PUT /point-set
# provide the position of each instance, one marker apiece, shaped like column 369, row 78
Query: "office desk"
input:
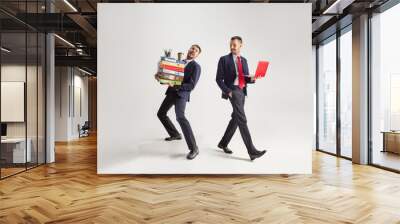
column 391, row 142
column 13, row 150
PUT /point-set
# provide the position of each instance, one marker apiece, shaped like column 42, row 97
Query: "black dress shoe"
column 173, row 138
column 225, row 148
column 192, row 154
column 257, row 154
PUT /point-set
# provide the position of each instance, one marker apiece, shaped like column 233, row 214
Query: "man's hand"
column 170, row 84
column 230, row 94
column 252, row 78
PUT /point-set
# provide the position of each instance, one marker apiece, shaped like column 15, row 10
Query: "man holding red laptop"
column 232, row 78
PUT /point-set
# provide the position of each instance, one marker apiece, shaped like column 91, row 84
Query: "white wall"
column 16, row 72
column 279, row 108
column 62, row 81
column 68, row 81
column 79, row 117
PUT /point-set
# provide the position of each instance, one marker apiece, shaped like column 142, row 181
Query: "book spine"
column 170, row 72
column 169, row 77
column 173, row 68
column 172, row 64
column 168, row 59
column 173, row 60
column 178, row 83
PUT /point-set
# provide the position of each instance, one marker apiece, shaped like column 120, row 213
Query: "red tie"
column 240, row 71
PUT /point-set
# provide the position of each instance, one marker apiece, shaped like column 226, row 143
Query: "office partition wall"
column 22, row 76
column 279, row 107
column 13, row 70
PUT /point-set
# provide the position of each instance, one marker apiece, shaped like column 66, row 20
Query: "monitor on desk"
column 3, row 130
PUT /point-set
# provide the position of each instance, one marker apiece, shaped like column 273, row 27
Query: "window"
column 385, row 89
column 346, row 93
column 327, row 96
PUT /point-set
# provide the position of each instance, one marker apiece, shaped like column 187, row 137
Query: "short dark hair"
column 236, row 38
column 198, row 47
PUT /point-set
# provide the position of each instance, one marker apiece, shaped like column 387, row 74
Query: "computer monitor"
column 3, row 129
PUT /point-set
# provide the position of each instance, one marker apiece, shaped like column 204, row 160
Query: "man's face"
column 235, row 46
column 193, row 52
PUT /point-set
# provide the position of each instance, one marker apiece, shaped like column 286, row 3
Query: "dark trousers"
column 172, row 99
column 238, row 120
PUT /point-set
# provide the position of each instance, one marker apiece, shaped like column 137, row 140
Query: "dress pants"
column 172, row 99
column 238, row 120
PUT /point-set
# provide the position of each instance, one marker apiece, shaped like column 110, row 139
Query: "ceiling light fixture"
column 326, row 11
column 64, row 40
column 70, row 5
column 84, row 71
column 5, row 50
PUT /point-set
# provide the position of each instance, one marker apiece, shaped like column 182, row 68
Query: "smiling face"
column 235, row 46
column 193, row 52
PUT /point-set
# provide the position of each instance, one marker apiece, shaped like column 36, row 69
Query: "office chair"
column 84, row 130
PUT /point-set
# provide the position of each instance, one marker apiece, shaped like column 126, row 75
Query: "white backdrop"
column 131, row 39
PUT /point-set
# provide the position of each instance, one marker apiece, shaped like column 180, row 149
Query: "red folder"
column 261, row 69
column 173, row 68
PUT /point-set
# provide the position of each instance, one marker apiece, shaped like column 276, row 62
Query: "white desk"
column 18, row 150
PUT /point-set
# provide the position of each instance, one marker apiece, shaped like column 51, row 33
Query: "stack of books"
column 170, row 71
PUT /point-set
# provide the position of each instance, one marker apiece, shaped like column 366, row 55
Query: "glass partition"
column 41, row 97
column 31, row 99
column 22, row 77
column 14, row 153
column 346, row 93
column 327, row 96
column 385, row 89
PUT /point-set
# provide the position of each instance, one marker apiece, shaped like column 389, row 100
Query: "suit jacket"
column 191, row 77
column 226, row 74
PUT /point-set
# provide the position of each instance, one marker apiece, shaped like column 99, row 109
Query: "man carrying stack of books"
column 181, row 77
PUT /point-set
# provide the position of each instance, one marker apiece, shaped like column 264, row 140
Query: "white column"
column 50, row 100
column 360, row 90
column 50, row 92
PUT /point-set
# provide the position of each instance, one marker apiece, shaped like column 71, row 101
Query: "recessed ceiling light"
column 337, row 7
column 64, row 40
column 328, row 10
column 84, row 71
column 70, row 5
column 5, row 50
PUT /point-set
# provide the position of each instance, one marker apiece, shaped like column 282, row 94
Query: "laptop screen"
column 261, row 69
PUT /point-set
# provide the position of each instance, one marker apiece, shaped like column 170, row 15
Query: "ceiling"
column 75, row 21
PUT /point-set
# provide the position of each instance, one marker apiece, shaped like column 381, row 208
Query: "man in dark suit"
column 178, row 96
column 232, row 78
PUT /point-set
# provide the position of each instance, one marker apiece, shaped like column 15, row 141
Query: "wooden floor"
column 387, row 159
column 70, row 191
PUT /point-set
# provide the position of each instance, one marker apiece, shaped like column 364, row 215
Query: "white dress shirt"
column 187, row 61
